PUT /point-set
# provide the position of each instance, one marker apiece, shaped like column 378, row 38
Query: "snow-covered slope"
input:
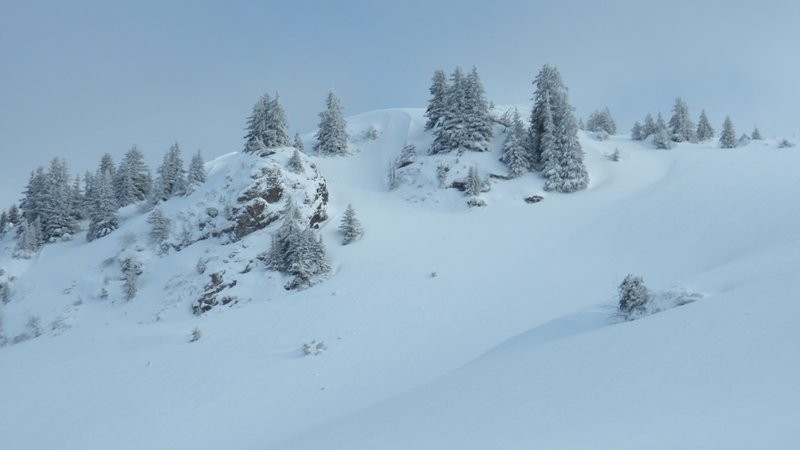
column 445, row 326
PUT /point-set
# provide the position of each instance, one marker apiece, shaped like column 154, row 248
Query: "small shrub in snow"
column 295, row 163
column 201, row 266
column 314, row 348
column 785, row 144
column 103, row 295
column 5, row 292
column 615, row 156
column 442, row 170
column 196, row 335
column 392, row 177
column 34, row 326
column 601, row 135
column 633, row 297
column 408, row 155
column 371, row 133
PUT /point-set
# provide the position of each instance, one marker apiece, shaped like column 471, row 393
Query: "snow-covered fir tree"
column 553, row 141
column 332, row 133
column 14, row 216
column 160, row 227
column 465, row 123
column 648, row 127
column 681, row 128
column 601, row 121
column 295, row 163
column 103, row 213
column 298, row 142
column 131, row 270
column 661, row 137
column 296, row 251
column 447, row 134
column 727, row 138
column 56, row 214
column 132, row 181
column 171, row 175
column 350, row 227
column 266, row 126
column 515, row 156
column 633, row 297
column 76, row 200
column 637, row 132
column 473, row 184
column 477, row 122
column 197, row 171
column 704, row 129
column 756, row 134
column 3, row 222
column 33, row 197
column 30, row 240
column 436, row 104
column 107, row 164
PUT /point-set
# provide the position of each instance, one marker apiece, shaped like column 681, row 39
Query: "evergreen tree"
column 295, row 163
column 473, row 183
column 14, row 215
column 103, row 215
column 159, row 229
column 649, row 128
column 633, row 297
column 298, row 142
column 515, row 155
column 76, row 200
column 553, row 140
column 681, row 127
column 661, row 137
column 436, row 105
column 448, row 134
column 131, row 270
column 132, row 182
column 266, row 126
column 296, row 251
column 3, row 223
column 88, row 195
column 350, row 227
column 756, row 134
column 32, row 203
column 197, row 171
column 704, row 129
column 477, row 122
column 332, row 134
column 56, row 214
column 31, row 239
column 601, row 121
column 727, row 138
column 581, row 125
column 171, row 174
column 637, row 132
column 107, row 165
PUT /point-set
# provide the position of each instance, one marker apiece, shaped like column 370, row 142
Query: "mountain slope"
column 510, row 344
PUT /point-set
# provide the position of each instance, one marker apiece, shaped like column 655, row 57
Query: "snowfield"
column 445, row 326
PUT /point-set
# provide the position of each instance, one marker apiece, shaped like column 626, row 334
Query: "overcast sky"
column 78, row 79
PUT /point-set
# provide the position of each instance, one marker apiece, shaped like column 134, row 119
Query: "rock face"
column 262, row 201
column 248, row 193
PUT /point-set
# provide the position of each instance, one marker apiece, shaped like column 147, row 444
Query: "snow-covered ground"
column 445, row 326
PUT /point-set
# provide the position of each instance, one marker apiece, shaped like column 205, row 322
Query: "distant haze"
column 82, row 78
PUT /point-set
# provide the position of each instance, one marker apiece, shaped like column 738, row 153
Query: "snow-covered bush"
column 392, row 177
column 314, row 348
column 408, row 154
column 615, row 156
column 442, row 170
column 131, row 269
column 370, row 134
column 633, row 297
column 196, row 335
column 785, row 144
column 5, row 292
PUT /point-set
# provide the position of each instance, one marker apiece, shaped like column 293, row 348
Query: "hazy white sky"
column 81, row 78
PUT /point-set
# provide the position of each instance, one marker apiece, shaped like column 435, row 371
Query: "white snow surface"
column 444, row 326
